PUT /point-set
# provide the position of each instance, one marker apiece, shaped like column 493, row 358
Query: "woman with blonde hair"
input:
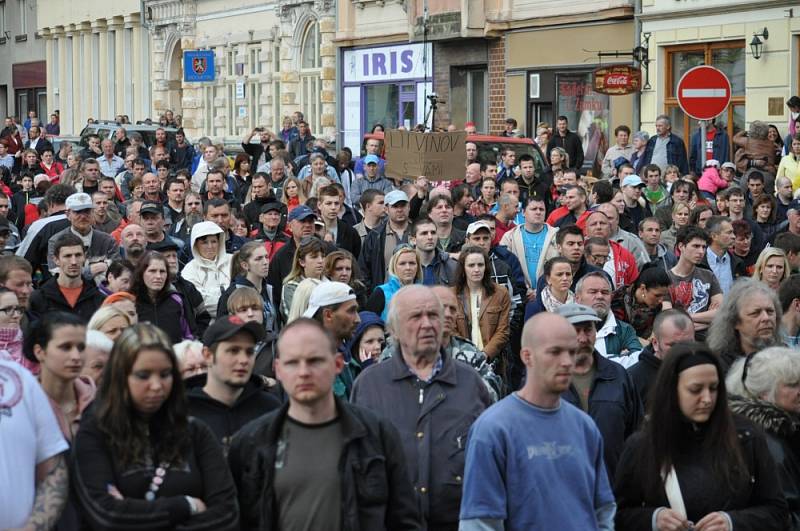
column 301, row 297
column 405, row 268
column 680, row 218
column 110, row 320
column 293, row 194
column 772, row 267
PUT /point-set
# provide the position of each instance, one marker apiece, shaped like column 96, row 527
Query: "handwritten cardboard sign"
column 437, row 156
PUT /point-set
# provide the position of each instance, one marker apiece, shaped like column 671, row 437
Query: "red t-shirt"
column 71, row 294
column 710, row 144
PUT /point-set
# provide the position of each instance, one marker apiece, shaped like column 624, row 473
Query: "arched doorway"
column 175, row 78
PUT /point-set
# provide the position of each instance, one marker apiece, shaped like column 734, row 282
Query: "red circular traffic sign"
column 704, row 92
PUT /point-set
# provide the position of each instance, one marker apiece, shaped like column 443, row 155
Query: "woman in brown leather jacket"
column 481, row 301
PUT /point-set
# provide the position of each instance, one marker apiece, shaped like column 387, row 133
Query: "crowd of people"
column 294, row 339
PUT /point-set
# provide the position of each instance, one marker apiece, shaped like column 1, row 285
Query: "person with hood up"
column 368, row 340
column 210, row 269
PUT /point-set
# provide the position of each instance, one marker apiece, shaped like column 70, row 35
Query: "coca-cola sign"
column 617, row 79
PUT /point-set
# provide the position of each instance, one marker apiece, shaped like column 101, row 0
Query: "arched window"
column 310, row 77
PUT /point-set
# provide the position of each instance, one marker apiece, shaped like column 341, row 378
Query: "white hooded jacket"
column 210, row 277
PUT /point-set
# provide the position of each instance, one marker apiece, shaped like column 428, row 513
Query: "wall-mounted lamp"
column 756, row 46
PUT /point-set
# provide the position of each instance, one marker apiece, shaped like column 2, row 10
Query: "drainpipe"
column 637, row 41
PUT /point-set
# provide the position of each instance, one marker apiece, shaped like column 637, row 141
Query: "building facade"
column 272, row 58
column 488, row 59
column 98, row 60
column 719, row 33
column 23, row 74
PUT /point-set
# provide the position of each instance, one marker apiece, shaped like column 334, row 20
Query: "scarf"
column 551, row 304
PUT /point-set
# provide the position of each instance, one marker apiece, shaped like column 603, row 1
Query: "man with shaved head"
column 429, row 397
column 535, row 461
column 134, row 241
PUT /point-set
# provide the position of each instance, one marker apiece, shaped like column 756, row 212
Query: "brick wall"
column 497, row 85
column 461, row 52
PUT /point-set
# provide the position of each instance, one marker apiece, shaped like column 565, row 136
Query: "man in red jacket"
column 621, row 264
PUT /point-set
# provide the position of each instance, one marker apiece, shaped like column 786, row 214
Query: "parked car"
column 106, row 129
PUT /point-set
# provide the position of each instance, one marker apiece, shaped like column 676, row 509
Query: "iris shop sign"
column 617, row 80
column 387, row 63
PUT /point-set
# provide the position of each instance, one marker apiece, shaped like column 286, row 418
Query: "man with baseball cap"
column 270, row 220
column 632, row 188
column 100, row 247
column 229, row 395
column 301, row 224
column 334, row 306
column 373, row 179
column 601, row 387
column 382, row 241
column 151, row 216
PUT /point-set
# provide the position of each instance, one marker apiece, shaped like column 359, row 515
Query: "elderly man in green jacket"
column 616, row 340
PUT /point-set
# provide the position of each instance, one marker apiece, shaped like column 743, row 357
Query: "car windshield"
column 148, row 136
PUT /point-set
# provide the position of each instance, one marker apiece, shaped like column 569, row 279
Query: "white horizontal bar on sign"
column 704, row 93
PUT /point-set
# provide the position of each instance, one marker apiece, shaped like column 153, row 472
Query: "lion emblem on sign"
column 199, row 65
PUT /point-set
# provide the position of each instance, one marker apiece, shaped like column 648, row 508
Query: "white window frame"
column 311, row 82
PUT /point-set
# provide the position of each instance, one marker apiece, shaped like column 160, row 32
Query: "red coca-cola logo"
column 615, row 80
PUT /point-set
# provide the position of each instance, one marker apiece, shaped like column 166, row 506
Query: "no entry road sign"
column 704, row 92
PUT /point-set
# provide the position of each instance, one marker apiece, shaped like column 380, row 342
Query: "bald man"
column 429, row 397
column 134, row 240
column 532, row 438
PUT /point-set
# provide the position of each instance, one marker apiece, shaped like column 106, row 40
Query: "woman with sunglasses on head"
column 308, row 262
column 140, row 462
column 765, row 388
column 342, row 266
column 404, row 268
column 693, row 465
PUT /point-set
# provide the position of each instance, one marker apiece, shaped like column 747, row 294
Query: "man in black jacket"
column 229, row 396
column 301, row 222
column 381, row 242
column 34, row 246
column 68, row 291
column 337, row 231
column 670, row 327
column 259, row 153
column 319, row 459
column 567, row 140
column 301, row 145
column 601, row 387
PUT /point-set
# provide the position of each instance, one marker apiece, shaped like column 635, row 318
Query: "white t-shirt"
column 29, row 435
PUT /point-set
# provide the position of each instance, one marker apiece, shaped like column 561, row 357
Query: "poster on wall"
column 587, row 112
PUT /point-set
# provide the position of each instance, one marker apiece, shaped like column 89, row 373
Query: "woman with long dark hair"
column 140, row 461
column 249, row 268
column 640, row 303
column 484, row 307
column 693, row 465
column 157, row 301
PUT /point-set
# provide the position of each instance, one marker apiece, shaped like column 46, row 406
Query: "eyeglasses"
column 600, row 258
column 9, row 310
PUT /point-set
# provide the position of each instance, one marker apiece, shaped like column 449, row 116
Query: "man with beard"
column 133, row 242
column 615, row 339
column 229, row 396
column 601, row 388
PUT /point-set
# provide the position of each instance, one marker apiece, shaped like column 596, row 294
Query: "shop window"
column 310, row 77
column 468, row 100
column 726, row 56
column 382, row 104
column 587, row 112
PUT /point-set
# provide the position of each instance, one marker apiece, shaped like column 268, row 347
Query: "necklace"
column 156, row 481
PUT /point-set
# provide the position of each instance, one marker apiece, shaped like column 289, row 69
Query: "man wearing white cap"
column 381, row 242
column 100, row 247
column 632, row 187
column 334, row 306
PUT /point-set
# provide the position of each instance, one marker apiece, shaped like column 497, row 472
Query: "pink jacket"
column 11, row 347
column 711, row 181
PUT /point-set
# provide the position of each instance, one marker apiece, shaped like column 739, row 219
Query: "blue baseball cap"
column 371, row 159
column 301, row 213
column 632, row 180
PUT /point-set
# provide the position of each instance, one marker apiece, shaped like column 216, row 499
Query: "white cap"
column 475, row 226
column 328, row 294
column 79, row 201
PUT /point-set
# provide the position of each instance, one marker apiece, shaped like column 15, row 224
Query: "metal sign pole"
column 702, row 145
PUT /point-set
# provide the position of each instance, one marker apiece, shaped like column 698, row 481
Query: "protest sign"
column 437, row 156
